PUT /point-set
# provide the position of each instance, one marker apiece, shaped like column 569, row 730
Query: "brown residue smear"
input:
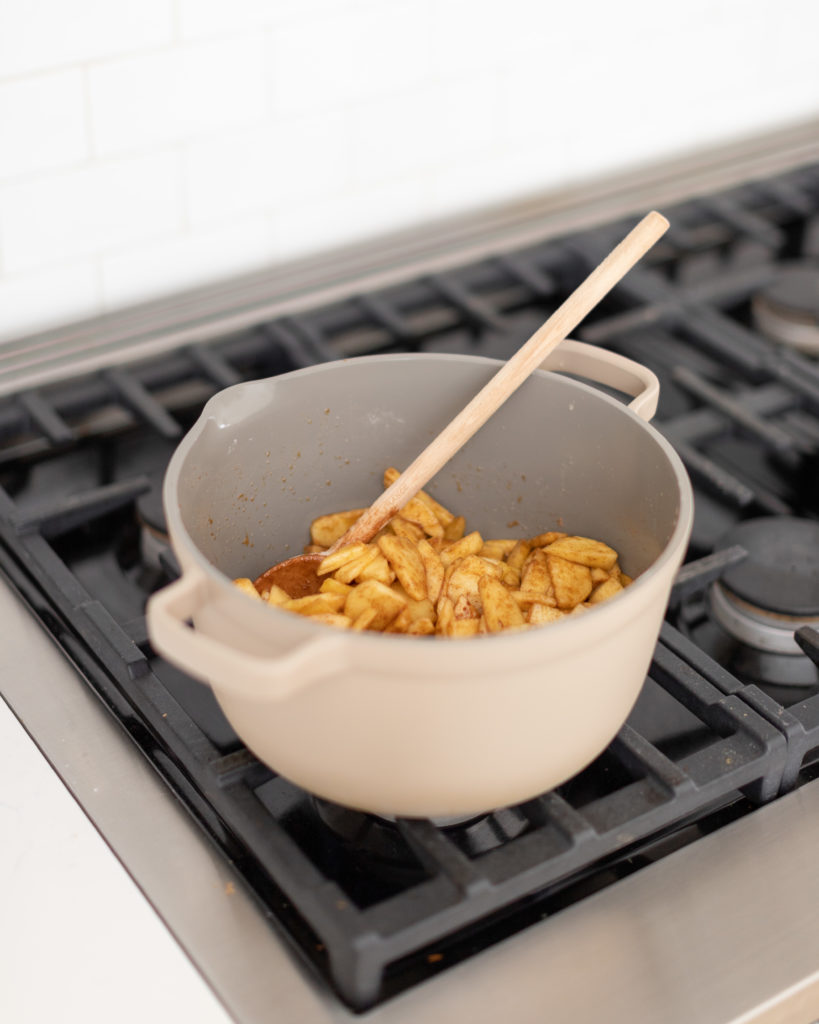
column 296, row 576
column 512, row 523
column 328, row 483
column 326, row 411
column 246, row 541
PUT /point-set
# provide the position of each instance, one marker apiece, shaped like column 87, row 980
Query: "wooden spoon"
column 298, row 575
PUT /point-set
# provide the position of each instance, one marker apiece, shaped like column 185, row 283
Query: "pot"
column 421, row 726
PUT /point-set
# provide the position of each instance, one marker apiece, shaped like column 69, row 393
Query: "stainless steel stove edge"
column 725, row 931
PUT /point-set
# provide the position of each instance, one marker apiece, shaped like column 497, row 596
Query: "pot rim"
column 224, row 584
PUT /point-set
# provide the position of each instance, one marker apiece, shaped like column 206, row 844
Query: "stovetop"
column 728, row 719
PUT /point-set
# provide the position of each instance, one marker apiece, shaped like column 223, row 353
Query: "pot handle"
column 212, row 661
column 609, row 368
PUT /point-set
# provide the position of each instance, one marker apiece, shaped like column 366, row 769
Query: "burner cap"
column 787, row 309
column 781, row 572
column 379, row 837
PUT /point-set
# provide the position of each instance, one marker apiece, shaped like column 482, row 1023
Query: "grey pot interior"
column 267, row 457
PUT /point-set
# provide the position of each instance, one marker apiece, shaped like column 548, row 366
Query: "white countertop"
column 78, row 940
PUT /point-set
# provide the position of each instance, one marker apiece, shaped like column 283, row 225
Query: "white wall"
column 146, row 146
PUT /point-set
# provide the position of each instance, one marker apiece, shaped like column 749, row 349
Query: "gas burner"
column 376, row 842
column 787, row 309
column 759, row 603
column 379, row 840
column 153, row 530
column 775, row 590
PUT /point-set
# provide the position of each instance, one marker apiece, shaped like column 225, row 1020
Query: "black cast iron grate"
column 376, row 906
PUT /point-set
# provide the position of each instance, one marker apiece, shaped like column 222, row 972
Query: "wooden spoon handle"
column 508, row 378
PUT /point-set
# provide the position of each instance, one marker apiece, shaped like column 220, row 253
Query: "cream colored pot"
column 421, row 726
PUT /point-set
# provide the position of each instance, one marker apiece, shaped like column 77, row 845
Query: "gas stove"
column 341, row 913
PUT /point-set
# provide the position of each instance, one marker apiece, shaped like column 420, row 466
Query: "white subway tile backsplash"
column 396, row 135
column 47, row 298
column 229, row 176
column 175, row 263
column 467, row 36
column 177, row 94
column 529, row 112
column 54, row 218
column 39, row 34
column 424, row 129
column 42, row 123
column 314, row 156
column 202, row 18
column 287, row 12
column 470, row 121
column 324, row 224
column 267, row 168
column 509, row 173
column 479, row 36
column 152, row 146
column 360, row 53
